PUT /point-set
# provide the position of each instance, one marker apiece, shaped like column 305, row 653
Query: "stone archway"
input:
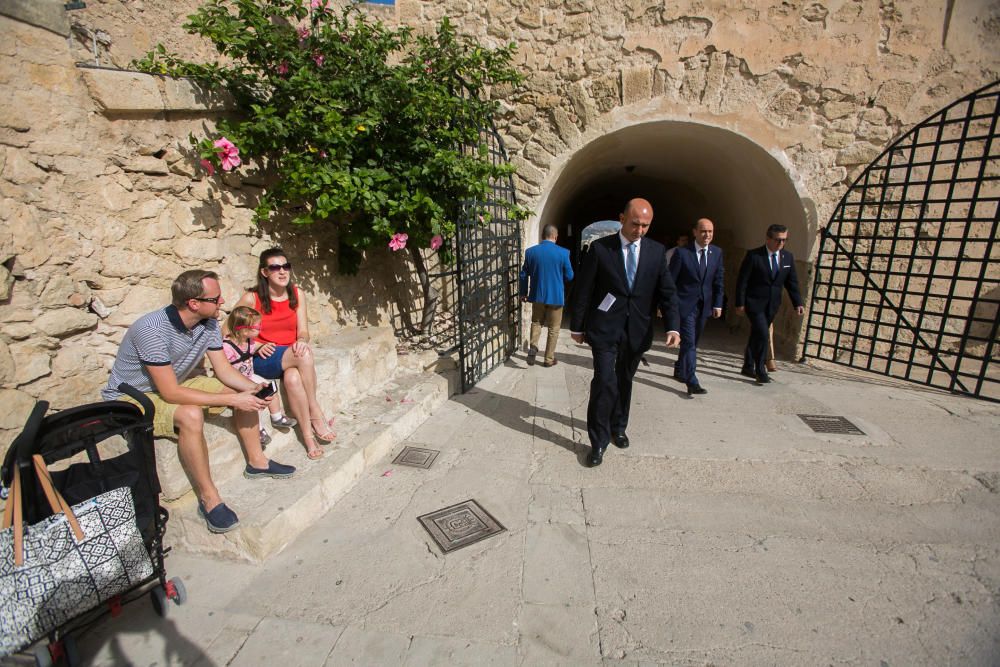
column 687, row 170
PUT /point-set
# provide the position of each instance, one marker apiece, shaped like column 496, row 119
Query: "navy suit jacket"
column 692, row 288
column 758, row 291
column 631, row 315
column 547, row 269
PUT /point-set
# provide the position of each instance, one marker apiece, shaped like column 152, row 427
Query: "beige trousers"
column 544, row 315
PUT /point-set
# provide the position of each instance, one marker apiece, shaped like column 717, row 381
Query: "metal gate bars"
column 907, row 279
column 488, row 257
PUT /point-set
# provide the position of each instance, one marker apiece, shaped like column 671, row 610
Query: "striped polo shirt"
column 160, row 339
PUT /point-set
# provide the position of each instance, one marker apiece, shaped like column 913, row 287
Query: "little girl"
column 242, row 327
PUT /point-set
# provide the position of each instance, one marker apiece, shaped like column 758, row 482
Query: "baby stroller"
column 111, row 444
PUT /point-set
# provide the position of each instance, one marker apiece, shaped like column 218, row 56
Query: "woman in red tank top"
column 285, row 352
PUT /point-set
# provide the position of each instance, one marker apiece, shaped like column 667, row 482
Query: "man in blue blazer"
column 622, row 281
column 764, row 272
column 697, row 271
column 544, row 275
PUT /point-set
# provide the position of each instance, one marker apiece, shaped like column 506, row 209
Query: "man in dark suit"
column 697, row 271
column 622, row 281
column 543, row 278
column 765, row 270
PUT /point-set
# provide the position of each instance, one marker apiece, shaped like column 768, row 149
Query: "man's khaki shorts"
column 163, row 420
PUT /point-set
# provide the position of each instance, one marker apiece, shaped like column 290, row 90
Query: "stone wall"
column 102, row 205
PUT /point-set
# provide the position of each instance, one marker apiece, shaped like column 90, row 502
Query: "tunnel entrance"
column 687, row 171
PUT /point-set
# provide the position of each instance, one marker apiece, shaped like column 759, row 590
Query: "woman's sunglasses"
column 274, row 268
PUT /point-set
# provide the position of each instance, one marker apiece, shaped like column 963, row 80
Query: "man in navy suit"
column 621, row 283
column 544, row 275
column 697, row 271
column 765, row 270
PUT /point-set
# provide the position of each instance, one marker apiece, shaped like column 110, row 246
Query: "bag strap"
column 56, row 501
column 13, row 512
column 12, row 515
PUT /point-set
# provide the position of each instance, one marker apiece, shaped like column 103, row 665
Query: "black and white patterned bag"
column 66, row 564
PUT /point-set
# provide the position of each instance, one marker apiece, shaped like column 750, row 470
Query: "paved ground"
column 728, row 534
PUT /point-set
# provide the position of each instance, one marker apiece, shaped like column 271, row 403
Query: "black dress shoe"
column 620, row 440
column 696, row 390
column 596, row 456
column 749, row 372
column 763, row 378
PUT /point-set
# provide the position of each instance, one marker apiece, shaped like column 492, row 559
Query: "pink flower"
column 229, row 153
column 318, row 58
column 436, row 242
column 315, row 3
column 398, row 241
column 303, row 33
column 209, row 167
column 322, row 154
column 283, row 67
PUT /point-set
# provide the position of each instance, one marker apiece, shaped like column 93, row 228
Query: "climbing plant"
column 374, row 129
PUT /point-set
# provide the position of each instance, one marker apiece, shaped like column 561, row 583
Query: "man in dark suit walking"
column 697, row 271
column 543, row 278
column 622, row 281
column 765, row 270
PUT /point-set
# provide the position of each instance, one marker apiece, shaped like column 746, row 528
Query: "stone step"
column 349, row 364
column 273, row 512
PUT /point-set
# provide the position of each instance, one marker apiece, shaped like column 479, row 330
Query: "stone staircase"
column 377, row 398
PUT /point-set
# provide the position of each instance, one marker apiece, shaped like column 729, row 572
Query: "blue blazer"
column 692, row 289
column 547, row 269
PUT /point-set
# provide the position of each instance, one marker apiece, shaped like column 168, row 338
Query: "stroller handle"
column 141, row 398
column 21, row 448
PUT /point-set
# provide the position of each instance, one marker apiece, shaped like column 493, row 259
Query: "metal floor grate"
column 831, row 424
column 416, row 457
column 460, row 525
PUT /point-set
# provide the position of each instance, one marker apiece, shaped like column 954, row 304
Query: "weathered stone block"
column 65, row 322
column 145, row 164
column 527, row 171
column 16, row 407
column 637, row 84
column 833, row 110
column 33, row 361
column 185, row 95
column 117, row 91
column 860, row 153
column 21, row 171
column 6, row 364
column 567, row 129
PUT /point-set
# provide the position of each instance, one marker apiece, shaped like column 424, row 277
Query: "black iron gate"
column 489, row 259
column 907, row 279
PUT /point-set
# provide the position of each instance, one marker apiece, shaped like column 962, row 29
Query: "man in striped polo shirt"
column 158, row 354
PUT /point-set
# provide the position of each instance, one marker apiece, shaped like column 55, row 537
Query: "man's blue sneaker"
column 273, row 469
column 220, row 520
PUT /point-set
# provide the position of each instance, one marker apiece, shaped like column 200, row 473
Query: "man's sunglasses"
column 274, row 268
column 208, row 299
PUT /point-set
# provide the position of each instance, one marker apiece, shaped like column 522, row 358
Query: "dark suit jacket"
column 757, row 291
column 691, row 287
column 631, row 315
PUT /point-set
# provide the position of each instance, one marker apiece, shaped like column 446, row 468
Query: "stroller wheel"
column 42, row 656
column 158, row 597
column 71, row 651
column 176, row 591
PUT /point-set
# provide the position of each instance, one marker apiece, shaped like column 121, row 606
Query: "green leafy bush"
column 375, row 129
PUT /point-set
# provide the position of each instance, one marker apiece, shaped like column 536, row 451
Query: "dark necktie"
column 702, row 262
column 774, row 265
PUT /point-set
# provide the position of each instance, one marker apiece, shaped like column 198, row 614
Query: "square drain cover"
column 831, row 424
column 416, row 457
column 460, row 525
